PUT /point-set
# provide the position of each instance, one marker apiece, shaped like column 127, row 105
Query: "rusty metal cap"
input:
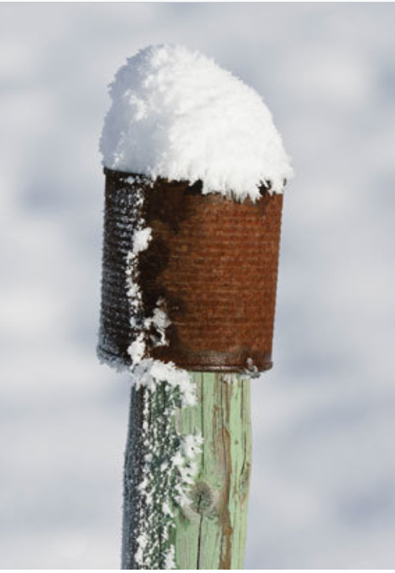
column 212, row 262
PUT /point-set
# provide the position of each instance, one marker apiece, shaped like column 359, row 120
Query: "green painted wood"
column 209, row 531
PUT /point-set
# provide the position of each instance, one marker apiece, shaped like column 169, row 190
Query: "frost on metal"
column 176, row 114
column 122, row 243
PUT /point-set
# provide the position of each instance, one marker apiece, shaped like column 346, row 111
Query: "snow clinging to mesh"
column 176, row 114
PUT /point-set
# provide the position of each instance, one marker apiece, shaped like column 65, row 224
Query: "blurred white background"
column 323, row 484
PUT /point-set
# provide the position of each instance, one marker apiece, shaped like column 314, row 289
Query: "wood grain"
column 210, row 532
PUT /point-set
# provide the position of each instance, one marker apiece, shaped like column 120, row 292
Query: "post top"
column 176, row 114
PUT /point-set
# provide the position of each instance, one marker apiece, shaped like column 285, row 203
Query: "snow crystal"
column 230, row 378
column 167, row 509
column 252, row 368
column 170, row 559
column 141, row 239
column 176, row 114
column 192, row 445
column 177, row 459
column 136, row 350
column 149, row 373
column 160, row 319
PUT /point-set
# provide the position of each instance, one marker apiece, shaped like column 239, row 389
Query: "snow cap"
column 176, row 114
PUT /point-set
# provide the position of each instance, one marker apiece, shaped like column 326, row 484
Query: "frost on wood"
column 160, row 467
column 150, row 373
column 176, row 114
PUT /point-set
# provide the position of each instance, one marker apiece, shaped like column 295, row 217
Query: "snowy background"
column 323, row 486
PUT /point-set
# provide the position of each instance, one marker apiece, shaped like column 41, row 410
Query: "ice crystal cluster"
column 176, row 114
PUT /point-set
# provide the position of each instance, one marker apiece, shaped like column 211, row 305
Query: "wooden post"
column 207, row 530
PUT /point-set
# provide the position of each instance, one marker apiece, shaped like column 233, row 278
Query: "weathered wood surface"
column 209, row 531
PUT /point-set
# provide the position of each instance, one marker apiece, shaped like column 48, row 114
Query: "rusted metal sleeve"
column 211, row 265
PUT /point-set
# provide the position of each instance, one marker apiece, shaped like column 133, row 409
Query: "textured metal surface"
column 120, row 214
column 213, row 260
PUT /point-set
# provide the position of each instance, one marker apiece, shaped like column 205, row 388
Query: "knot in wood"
column 203, row 498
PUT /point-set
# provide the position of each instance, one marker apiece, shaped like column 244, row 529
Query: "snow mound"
column 176, row 114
